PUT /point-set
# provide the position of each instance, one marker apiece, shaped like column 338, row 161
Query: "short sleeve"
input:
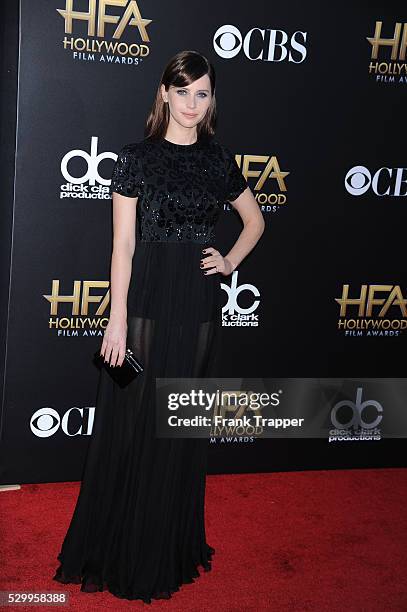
column 235, row 181
column 127, row 175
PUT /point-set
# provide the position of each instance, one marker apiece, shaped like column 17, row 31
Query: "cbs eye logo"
column 228, row 41
column 384, row 182
column 358, row 180
column 45, row 422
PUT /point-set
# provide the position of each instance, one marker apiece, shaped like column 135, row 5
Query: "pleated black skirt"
column 138, row 529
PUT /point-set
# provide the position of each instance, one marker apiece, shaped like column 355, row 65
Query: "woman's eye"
column 202, row 94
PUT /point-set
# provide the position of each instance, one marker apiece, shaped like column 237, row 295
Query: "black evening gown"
column 138, row 528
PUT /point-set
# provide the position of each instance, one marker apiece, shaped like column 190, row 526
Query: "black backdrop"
column 312, row 108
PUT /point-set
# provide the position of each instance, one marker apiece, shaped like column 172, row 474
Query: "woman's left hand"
column 213, row 262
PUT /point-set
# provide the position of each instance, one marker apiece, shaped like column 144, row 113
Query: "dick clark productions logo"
column 355, row 427
column 233, row 314
column 90, row 184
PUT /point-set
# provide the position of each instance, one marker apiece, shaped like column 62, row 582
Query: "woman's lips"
column 190, row 115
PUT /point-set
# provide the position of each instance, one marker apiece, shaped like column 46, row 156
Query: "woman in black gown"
column 138, row 528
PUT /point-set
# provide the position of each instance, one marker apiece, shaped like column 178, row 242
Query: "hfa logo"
column 233, row 314
column 264, row 168
column 76, row 186
column 349, row 419
column 96, row 19
column 375, row 311
column 395, row 70
column 78, row 320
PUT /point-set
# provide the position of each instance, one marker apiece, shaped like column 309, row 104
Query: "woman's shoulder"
column 222, row 150
column 131, row 147
column 132, row 152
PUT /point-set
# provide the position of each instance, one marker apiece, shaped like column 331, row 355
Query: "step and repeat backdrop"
column 311, row 100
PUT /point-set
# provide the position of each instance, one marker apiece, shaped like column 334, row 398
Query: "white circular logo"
column 357, row 412
column 358, row 180
column 227, row 41
column 93, row 160
column 45, row 422
column 233, row 291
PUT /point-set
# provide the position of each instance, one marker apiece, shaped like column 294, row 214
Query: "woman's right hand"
column 114, row 341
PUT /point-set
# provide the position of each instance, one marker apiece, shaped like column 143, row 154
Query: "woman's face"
column 188, row 105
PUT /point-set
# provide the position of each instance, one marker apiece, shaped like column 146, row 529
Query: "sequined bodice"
column 181, row 189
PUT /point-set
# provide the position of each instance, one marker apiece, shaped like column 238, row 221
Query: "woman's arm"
column 124, row 243
column 253, row 227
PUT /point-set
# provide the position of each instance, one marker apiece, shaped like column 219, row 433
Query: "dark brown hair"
column 182, row 69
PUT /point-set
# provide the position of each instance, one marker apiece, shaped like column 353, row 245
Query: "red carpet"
column 323, row 541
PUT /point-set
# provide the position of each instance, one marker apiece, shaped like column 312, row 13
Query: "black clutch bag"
column 124, row 374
